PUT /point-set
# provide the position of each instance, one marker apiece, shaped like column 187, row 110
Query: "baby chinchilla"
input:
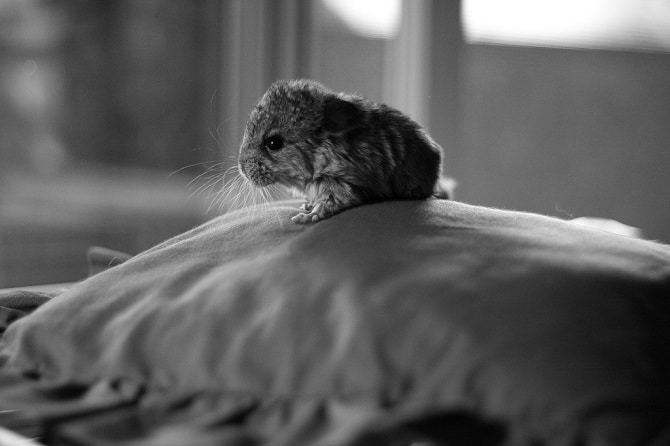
column 338, row 150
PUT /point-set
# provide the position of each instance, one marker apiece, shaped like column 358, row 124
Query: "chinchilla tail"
column 444, row 188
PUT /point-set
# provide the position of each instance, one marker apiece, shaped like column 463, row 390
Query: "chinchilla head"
column 295, row 132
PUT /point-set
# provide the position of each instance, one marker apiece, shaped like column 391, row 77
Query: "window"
column 606, row 24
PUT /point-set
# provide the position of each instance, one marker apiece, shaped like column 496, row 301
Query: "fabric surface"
column 404, row 320
column 16, row 304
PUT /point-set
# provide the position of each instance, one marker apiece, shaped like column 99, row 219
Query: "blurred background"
column 110, row 110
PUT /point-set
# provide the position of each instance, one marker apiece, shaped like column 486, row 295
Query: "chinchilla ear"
column 340, row 115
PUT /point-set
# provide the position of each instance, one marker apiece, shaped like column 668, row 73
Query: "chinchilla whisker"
column 211, row 182
column 203, row 163
column 220, row 198
column 270, row 190
column 211, row 170
column 231, row 194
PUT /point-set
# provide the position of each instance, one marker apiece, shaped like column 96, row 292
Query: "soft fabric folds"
column 401, row 310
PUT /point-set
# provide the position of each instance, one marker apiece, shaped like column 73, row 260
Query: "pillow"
column 559, row 328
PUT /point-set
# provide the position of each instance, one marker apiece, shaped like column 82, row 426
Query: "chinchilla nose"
column 248, row 166
column 255, row 170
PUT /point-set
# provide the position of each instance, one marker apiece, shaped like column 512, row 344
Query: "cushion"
column 555, row 329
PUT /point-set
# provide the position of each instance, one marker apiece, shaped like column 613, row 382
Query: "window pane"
column 616, row 24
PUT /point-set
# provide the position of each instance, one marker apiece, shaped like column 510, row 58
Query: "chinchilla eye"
column 274, row 143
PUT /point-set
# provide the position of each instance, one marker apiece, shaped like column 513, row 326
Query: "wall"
column 566, row 133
